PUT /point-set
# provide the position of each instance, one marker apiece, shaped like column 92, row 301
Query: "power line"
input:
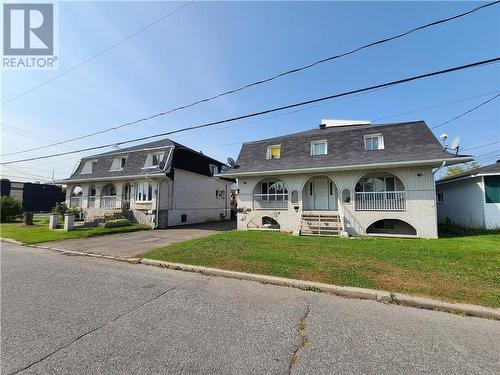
column 269, row 79
column 481, row 146
column 276, row 109
column 158, row 20
column 467, row 112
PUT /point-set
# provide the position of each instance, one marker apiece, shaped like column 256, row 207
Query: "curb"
column 343, row 291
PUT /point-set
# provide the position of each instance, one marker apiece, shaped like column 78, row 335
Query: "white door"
column 320, row 194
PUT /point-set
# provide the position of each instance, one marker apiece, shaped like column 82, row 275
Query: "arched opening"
column 319, row 194
column 380, row 191
column 295, row 197
column 92, row 194
column 269, row 223
column 76, row 196
column 270, row 194
column 391, row 226
column 108, row 196
column 346, row 196
column 126, row 197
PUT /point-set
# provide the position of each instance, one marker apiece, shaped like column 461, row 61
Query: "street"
column 73, row 315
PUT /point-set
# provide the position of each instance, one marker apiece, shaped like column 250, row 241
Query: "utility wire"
column 268, row 79
column 481, row 146
column 276, row 109
column 466, row 112
column 158, row 20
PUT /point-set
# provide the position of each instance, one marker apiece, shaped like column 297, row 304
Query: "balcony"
column 270, row 201
column 380, row 201
column 108, row 201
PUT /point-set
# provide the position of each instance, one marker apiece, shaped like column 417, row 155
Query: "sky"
column 209, row 47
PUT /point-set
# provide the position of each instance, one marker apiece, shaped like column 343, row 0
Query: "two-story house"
column 345, row 177
column 160, row 183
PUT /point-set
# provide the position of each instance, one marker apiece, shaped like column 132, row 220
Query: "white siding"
column 195, row 196
column 420, row 202
column 463, row 202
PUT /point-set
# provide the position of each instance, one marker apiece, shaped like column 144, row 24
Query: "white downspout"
column 443, row 164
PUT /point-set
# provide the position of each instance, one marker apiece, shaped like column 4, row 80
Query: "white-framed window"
column 440, row 197
column 88, row 167
column 143, row 191
column 379, row 184
column 220, row 194
column 273, row 152
column 319, row 148
column 214, row 169
column 118, row 163
column 154, row 159
column 374, row 142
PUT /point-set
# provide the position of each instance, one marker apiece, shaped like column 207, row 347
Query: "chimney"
column 325, row 123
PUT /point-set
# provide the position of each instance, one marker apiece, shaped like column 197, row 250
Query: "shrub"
column 11, row 209
column 60, row 208
column 116, row 223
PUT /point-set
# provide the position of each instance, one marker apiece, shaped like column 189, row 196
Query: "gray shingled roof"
column 487, row 169
column 404, row 142
column 136, row 157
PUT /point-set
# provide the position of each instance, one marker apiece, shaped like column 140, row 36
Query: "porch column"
column 98, row 196
column 69, row 189
column 85, row 195
column 119, row 193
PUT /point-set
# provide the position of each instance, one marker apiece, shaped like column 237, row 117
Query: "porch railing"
column 270, row 201
column 91, row 201
column 108, row 201
column 381, row 201
column 75, row 202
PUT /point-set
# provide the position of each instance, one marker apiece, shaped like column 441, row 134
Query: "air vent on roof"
column 331, row 123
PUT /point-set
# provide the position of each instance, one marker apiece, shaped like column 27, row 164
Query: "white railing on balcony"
column 75, row 202
column 270, row 201
column 91, row 201
column 381, row 201
column 108, row 201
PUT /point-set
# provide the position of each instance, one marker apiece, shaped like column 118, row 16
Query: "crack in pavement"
column 96, row 329
column 303, row 339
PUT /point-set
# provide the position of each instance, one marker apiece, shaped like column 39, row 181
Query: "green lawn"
column 458, row 269
column 40, row 232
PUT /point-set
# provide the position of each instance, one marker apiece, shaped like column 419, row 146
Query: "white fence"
column 108, row 201
column 381, row 201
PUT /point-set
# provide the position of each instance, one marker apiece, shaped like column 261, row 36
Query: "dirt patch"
column 312, row 275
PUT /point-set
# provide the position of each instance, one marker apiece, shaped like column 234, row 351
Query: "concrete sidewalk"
column 130, row 244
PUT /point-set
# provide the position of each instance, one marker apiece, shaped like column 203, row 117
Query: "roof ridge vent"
column 326, row 123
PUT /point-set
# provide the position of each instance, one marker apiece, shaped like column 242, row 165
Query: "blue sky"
column 209, row 47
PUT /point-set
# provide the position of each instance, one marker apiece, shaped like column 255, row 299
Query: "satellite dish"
column 443, row 137
column 231, row 162
column 455, row 144
column 224, row 168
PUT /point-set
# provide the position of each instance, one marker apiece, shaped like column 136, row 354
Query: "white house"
column 161, row 184
column 345, row 177
column 471, row 199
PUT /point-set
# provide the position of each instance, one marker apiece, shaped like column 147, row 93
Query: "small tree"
column 60, row 209
column 11, row 208
column 456, row 170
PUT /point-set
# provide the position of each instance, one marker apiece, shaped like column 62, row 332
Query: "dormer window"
column 319, row 148
column 273, row 152
column 214, row 169
column 374, row 142
column 154, row 159
column 88, row 167
column 118, row 163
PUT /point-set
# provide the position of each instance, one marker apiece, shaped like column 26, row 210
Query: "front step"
column 321, row 224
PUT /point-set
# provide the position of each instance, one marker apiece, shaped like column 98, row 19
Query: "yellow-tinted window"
column 274, row 152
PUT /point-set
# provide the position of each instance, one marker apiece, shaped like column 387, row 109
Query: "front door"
column 320, row 190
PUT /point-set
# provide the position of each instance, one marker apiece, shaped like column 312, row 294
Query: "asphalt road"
column 69, row 315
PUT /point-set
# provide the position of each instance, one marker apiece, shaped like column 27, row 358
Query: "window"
column 88, row 167
column 220, row 194
column 214, row 169
column 379, row 184
column 274, row 191
column 374, row 142
column 118, row 163
column 143, row 192
column 154, row 159
column 273, row 152
column 492, row 189
column 440, row 197
column 319, row 148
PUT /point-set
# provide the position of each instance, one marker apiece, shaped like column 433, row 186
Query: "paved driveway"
column 130, row 244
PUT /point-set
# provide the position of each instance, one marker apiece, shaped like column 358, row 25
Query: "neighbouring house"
column 471, row 199
column 161, row 184
column 345, row 177
column 33, row 196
